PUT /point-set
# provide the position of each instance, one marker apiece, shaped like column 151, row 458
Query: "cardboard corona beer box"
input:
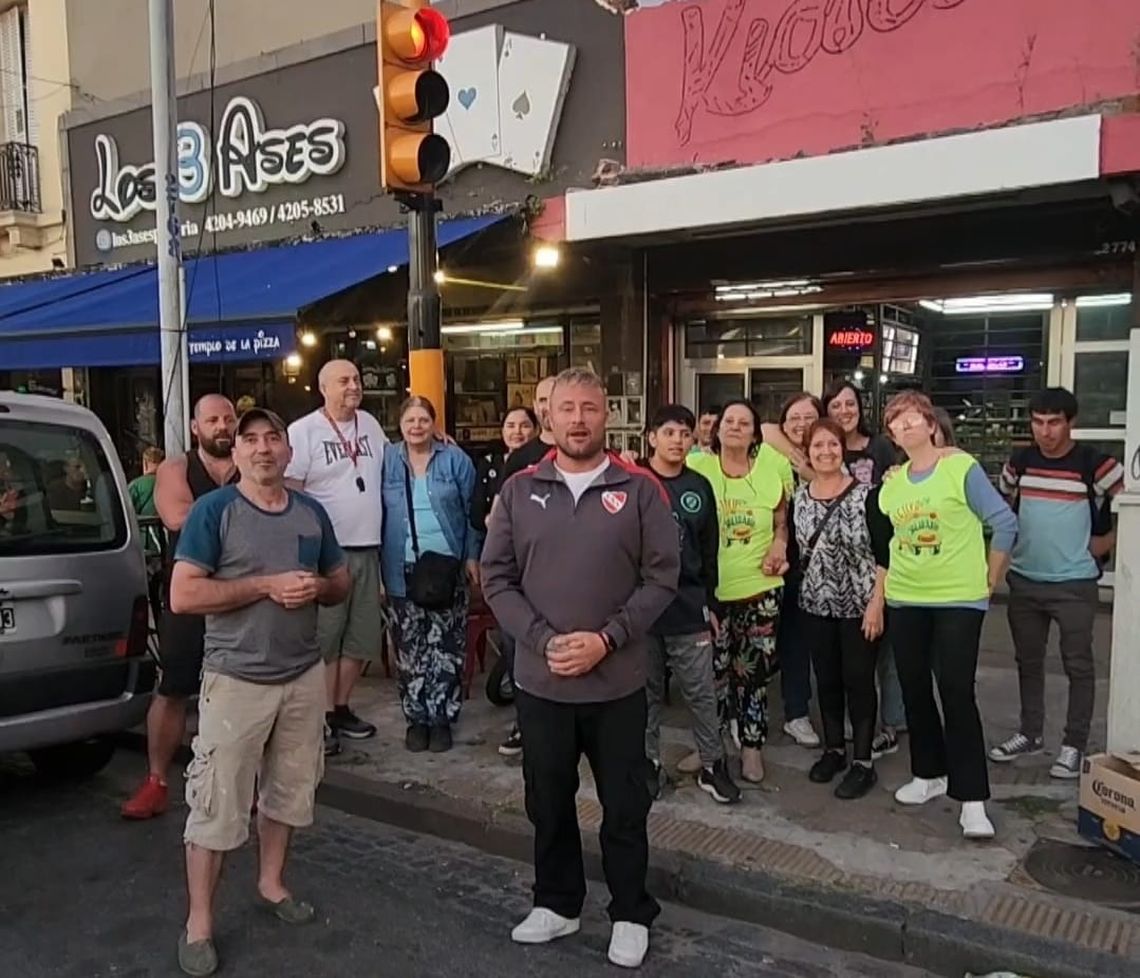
column 1110, row 802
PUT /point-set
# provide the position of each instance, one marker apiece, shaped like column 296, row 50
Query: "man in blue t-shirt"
column 1062, row 492
column 256, row 559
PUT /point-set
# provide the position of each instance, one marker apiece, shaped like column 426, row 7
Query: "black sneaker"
column 885, row 742
column 827, row 767
column 439, row 740
column 716, row 781
column 512, row 746
column 349, row 725
column 654, row 779
column 332, row 742
column 856, row 782
column 417, row 738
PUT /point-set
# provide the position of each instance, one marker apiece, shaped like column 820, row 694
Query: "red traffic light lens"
column 430, row 34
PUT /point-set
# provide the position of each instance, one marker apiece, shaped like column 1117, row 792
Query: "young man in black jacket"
column 681, row 639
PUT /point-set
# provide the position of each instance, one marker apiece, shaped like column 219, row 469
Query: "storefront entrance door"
column 706, row 384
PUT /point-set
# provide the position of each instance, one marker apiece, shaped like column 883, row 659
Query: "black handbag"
column 434, row 577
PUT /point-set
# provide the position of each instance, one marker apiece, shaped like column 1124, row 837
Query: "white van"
column 73, row 589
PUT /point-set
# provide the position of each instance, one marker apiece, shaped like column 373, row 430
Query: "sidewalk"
column 865, row 875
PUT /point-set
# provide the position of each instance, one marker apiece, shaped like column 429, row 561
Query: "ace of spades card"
column 471, row 123
column 534, row 76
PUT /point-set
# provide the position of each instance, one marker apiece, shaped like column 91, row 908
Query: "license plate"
column 7, row 619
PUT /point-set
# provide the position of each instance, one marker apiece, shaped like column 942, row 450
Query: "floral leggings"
column 430, row 651
column 743, row 659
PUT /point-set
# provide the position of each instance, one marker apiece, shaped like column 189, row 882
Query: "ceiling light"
column 1119, row 299
column 982, row 304
column 392, row 269
column 308, row 338
column 384, row 333
column 439, row 276
column 294, row 361
column 774, row 289
column 503, row 325
column 547, row 256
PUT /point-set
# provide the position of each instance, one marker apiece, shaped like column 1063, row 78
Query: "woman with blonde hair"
column 429, row 558
column 938, row 588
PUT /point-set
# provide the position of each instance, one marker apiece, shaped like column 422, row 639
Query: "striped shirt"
column 1061, row 504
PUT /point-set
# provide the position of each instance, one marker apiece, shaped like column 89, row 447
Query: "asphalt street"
column 85, row 895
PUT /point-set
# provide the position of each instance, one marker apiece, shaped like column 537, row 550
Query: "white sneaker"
column 802, row 732
column 543, row 926
column 975, row 822
column 1067, row 765
column 628, row 944
column 921, row 790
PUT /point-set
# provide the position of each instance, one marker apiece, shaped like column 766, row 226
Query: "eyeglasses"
column 908, row 420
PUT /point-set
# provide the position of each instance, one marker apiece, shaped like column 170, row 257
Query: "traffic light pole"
column 424, row 309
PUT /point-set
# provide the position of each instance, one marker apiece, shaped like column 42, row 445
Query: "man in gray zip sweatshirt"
column 582, row 556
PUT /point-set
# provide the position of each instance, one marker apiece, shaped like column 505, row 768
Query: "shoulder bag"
column 833, row 506
column 434, row 577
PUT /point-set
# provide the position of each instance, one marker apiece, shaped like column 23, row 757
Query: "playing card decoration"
column 511, row 88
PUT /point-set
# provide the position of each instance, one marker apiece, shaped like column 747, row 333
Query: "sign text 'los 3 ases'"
column 247, row 157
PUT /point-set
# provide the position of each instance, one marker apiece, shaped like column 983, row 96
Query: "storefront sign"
column 749, row 81
column 238, row 344
column 248, row 157
column 851, row 339
column 292, row 151
column 989, row 365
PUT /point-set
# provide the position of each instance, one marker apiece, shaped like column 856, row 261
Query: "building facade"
column 902, row 192
column 278, row 175
column 36, row 88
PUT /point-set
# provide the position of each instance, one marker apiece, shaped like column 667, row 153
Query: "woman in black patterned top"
column 844, row 543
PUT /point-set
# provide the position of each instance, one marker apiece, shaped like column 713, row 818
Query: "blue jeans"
column 792, row 651
column 891, row 709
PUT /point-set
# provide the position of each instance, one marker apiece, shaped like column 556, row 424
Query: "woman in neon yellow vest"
column 752, row 483
column 938, row 589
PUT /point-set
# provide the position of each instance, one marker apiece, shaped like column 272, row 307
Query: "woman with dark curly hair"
column 751, row 482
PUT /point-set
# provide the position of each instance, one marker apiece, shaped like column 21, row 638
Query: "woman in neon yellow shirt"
column 938, row 589
column 751, row 483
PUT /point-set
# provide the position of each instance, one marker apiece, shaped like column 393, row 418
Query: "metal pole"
column 164, row 116
column 424, row 309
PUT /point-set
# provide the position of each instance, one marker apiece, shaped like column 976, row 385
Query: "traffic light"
column 410, row 36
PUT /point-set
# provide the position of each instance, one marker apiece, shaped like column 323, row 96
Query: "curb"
column 844, row 919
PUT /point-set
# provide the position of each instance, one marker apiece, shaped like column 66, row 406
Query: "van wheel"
column 73, row 762
column 500, row 689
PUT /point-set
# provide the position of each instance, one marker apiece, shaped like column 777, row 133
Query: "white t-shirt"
column 322, row 462
column 579, row 482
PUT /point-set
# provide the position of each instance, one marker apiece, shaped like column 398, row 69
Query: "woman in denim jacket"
column 431, row 644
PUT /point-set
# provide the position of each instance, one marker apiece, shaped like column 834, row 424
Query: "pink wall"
column 712, row 81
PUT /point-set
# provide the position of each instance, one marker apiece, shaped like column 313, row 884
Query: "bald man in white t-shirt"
column 338, row 451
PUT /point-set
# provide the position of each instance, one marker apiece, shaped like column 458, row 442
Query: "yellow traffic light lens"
column 419, row 158
column 419, row 40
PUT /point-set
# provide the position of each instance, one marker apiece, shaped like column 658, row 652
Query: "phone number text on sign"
column 283, row 213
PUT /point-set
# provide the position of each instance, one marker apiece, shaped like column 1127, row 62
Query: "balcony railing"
column 20, row 178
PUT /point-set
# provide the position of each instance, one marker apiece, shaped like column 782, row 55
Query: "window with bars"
column 708, row 339
column 990, row 408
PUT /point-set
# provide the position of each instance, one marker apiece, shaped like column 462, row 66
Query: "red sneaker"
column 150, row 800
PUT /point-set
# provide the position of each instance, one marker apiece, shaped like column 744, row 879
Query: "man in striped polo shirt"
column 1062, row 491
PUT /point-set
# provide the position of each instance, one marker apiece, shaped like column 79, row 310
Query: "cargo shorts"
column 353, row 628
column 268, row 734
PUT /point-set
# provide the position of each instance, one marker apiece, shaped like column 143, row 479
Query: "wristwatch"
column 608, row 641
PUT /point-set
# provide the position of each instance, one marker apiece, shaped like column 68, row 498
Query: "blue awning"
column 110, row 318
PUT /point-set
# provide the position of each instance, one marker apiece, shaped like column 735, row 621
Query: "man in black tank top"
column 180, row 481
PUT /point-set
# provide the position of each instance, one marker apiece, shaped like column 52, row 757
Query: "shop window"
column 900, row 349
column 753, row 337
column 586, row 346
column 716, row 390
column 770, row 388
column 983, row 369
column 495, row 367
column 1107, row 317
column 1100, row 382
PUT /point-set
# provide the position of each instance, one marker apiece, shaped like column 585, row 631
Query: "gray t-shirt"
column 228, row 536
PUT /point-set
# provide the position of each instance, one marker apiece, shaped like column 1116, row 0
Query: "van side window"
column 57, row 492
